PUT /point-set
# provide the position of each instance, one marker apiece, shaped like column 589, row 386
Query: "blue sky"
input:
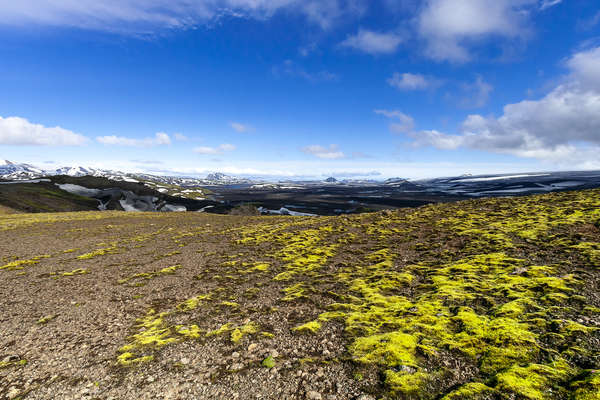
column 290, row 88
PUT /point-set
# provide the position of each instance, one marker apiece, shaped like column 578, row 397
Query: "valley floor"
column 480, row 299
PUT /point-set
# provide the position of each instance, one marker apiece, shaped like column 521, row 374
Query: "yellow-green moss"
column 45, row 319
column 192, row 303
column 113, row 249
column 78, row 271
column 309, row 327
column 470, row 391
column 247, row 329
column 19, row 264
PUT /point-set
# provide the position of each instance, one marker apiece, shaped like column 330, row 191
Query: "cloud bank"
column 19, row 131
column 562, row 126
column 327, row 153
column 226, row 147
column 159, row 139
column 146, row 16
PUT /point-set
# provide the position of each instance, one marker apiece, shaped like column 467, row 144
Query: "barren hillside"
column 485, row 299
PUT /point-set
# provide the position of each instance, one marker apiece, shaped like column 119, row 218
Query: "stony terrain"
column 482, row 299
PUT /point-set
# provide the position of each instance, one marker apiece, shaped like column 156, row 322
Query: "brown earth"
column 115, row 305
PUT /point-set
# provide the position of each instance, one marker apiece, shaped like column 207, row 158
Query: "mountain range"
column 20, row 171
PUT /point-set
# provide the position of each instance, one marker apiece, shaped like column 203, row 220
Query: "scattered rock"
column 365, row 397
column 13, row 393
column 11, row 358
column 312, row 395
column 252, row 347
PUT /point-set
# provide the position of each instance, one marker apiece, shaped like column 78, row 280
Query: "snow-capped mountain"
column 220, row 178
column 15, row 171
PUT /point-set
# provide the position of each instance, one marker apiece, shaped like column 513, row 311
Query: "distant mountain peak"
column 217, row 176
column 331, row 179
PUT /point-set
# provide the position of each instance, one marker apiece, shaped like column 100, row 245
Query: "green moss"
column 259, row 267
column 533, row 381
column 46, row 319
column 153, row 333
column 222, row 330
column 238, row 333
column 19, row 264
column 16, row 363
column 407, row 384
column 150, row 275
column 192, row 303
column 294, row 292
column 388, row 349
column 189, row 332
column 78, row 271
column 309, row 327
column 113, row 249
column 588, row 387
column 471, row 391
column 268, row 362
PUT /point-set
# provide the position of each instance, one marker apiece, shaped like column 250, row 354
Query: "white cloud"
column 373, row 42
column 328, row 153
column 290, row 68
column 449, row 27
column 408, row 81
column 585, row 68
column 239, row 127
column 179, row 137
column 214, row 150
column 147, row 16
column 159, row 139
column 549, row 3
column 477, row 93
column 563, row 126
column 19, row 131
column 403, row 123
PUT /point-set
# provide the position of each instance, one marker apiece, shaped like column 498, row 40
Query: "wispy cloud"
column 549, row 3
column 226, row 147
column 372, row 42
column 292, row 69
column 19, row 131
column 408, row 81
column 147, row 162
column 327, row 153
column 239, row 127
column 143, row 17
column 401, row 123
column 159, row 139
column 180, row 138
column 475, row 94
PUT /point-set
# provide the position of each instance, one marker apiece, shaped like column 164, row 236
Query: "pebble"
column 185, row 361
column 235, row 355
column 312, row 395
column 252, row 347
column 12, row 393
